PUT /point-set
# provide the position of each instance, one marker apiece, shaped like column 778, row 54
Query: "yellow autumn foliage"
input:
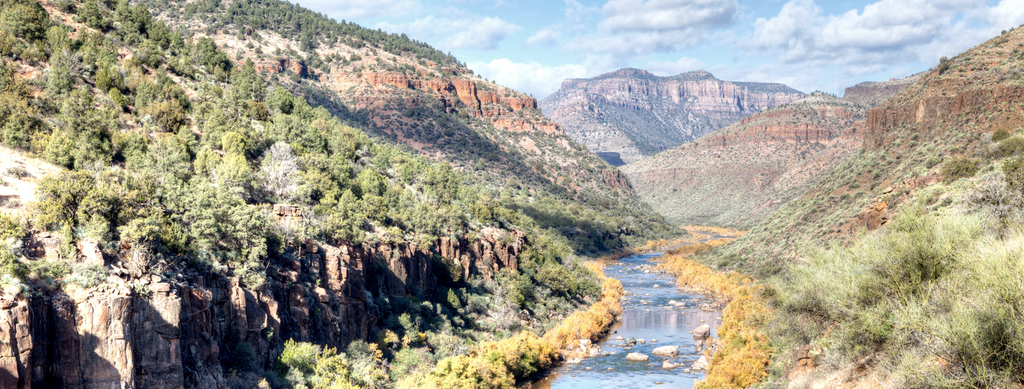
column 595, row 321
column 501, row 364
column 742, row 360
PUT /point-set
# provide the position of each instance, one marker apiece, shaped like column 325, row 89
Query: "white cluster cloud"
column 547, row 36
column 884, row 34
column 530, row 77
column 631, row 28
column 666, row 15
column 466, row 32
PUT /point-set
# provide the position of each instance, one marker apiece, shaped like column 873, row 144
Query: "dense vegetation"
column 172, row 157
column 310, row 29
column 562, row 186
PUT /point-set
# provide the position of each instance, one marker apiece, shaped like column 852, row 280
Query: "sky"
column 533, row 45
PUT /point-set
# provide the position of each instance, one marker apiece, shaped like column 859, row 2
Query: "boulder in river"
column 637, row 357
column 666, row 351
column 668, row 365
column 703, row 331
column 594, row 352
column 641, row 341
column 700, row 364
column 630, row 341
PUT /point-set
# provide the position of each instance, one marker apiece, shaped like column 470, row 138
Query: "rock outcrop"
column 636, row 114
column 873, row 93
column 741, row 174
column 178, row 333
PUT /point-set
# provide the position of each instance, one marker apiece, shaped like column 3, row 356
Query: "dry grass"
column 742, row 359
column 721, row 231
column 697, row 234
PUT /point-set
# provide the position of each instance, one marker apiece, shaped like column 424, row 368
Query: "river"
column 646, row 315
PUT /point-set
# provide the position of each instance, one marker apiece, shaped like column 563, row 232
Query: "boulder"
column 701, row 364
column 574, row 361
column 585, row 342
column 630, row 341
column 641, row 341
column 90, row 249
column 668, row 365
column 594, row 352
column 703, row 331
column 666, row 350
column 636, row 357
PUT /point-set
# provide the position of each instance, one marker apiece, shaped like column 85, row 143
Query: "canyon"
column 177, row 331
column 637, row 114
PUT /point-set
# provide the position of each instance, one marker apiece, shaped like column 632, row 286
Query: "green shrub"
column 943, row 65
column 24, row 19
column 244, row 357
column 959, row 167
column 1011, row 146
column 87, row 276
column 1000, row 134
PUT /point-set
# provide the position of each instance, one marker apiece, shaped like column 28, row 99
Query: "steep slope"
column 913, row 140
column 918, row 285
column 637, row 114
column 411, row 94
column 198, row 227
column 741, row 174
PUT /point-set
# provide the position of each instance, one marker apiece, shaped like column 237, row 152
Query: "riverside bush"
column 504, row 363
column 930, row 288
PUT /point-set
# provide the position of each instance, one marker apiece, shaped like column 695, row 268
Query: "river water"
column 646, row 315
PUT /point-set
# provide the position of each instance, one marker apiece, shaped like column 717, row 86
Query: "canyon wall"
column 636, row 114
column 183, row 330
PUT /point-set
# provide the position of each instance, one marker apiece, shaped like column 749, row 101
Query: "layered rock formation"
column 636, row 114
column 872, row 93
column 179, row 332
column 740, row 174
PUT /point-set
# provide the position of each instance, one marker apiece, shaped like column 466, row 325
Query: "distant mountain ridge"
column 873, row 93
column 637, row 114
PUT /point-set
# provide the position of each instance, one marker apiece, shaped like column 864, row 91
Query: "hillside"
column 171, row 219
column 902, row 267
column 741, row 174
column 936, row 129
column 408, row 93
column 637, row 114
